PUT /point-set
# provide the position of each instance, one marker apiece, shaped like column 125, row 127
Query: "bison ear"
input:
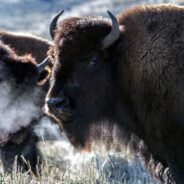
column 43, row 76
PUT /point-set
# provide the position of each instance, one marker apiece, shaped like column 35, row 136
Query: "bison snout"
column 59, row 108
column 57, row 103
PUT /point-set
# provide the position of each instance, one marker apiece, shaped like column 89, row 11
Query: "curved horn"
column 42, row 65
column 114, row 34
column 53, row 23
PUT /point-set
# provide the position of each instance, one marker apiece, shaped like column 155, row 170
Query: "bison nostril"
column 62, row 102
column 57, row 102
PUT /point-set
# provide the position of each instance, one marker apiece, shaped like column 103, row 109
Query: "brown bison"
column 21, row 101
column 130, row 72
column 26, row 44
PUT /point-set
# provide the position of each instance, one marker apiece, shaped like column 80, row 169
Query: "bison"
column 21, row 102
column 129, row 71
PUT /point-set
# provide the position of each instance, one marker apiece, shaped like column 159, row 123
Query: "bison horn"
column 42, row 65
column 53, row 23
column 114, row 34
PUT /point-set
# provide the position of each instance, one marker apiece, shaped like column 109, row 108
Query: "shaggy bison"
column 21, row 101
column 130, row 71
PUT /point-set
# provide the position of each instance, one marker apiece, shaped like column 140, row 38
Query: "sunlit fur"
column 138, row 82
column 26, row 44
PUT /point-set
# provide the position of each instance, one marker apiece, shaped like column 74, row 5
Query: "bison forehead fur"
column 75, row 33
column 137, row 82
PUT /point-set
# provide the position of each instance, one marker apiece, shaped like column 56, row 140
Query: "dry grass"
column 63, row 167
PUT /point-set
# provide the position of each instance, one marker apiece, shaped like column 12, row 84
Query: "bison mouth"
column 63, row 114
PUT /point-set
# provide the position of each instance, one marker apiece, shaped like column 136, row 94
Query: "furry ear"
column 43, row 76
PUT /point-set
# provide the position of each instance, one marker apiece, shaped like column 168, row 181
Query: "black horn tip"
column 53, row 23
column 59, row 13
column 111, row 15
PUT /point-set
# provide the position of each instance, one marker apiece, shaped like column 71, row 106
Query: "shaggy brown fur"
column 138, row 82
column 26, row 44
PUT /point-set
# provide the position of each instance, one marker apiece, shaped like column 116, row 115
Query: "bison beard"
column 21, row 101
column 136, row 80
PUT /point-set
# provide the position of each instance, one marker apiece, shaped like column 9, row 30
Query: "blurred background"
column 34, row 16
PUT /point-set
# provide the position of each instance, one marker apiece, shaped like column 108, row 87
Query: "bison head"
column 83, row 88
column 20, row 69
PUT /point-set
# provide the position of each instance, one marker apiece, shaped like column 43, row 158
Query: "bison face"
column 85, row 97
column 82, row 90
column 24, row 71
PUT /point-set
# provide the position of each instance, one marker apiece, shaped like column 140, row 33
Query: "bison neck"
column 139, row 111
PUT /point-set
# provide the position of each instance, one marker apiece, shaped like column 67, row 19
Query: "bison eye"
column 94, row 60
column 92, row 63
